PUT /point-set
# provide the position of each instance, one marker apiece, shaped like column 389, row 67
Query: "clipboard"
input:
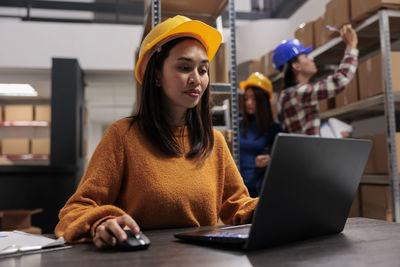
column 17, row 243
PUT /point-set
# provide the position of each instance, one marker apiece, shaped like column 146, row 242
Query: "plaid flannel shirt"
column 299, row 104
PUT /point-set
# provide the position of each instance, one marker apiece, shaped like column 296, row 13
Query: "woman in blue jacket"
column 257, row 130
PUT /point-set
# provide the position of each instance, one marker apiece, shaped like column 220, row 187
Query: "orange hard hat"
column 258, row 80
column 172, row 28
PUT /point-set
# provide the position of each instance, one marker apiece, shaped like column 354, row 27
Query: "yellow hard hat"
column 173, row 28
column 257, row 79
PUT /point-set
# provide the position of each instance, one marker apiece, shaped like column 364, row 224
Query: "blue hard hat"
column 287, row 50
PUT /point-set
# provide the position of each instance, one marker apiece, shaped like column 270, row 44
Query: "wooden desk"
column 364, row 242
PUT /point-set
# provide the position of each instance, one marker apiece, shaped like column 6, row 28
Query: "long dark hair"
column 263, row 116
column 288, row 73
column 152, row 119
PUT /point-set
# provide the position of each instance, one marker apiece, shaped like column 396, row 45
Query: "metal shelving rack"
column 384, row 30
column 375, row 34
column 229, row 88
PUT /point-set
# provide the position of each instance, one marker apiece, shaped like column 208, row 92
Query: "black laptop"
column 308, row 190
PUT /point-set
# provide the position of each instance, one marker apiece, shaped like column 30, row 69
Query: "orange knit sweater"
column 127, row 174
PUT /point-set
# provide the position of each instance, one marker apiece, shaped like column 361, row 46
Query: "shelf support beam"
column 155, row 12
column 384, row 31
column 234, row 92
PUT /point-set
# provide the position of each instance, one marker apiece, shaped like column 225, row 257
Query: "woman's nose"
column 194, row 77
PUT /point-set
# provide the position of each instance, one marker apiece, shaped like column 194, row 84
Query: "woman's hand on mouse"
column 109, row 232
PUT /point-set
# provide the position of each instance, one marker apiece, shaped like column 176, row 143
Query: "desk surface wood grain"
column 364, row 242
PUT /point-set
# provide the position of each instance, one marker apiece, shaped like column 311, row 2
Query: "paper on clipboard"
column 21, row 242
column 334, row 128
column 326, row 131
column 338, row 127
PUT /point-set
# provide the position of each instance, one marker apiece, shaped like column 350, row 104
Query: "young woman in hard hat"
column 298, row 103
column 257, row 130
column 165, row 166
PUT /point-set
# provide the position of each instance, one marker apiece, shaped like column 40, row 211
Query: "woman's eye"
column 184, row 68
column 203, row 71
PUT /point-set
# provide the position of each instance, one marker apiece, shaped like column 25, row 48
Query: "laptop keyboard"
column 241, row 232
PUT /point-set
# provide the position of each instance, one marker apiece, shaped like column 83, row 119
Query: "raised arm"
column 311, row 93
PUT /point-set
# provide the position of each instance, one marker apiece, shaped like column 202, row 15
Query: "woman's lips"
column 192, row 93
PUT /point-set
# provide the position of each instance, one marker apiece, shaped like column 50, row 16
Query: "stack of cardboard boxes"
column 218, row 67
column 362, row 9
column 376, row 197
column 26, row 145
column 371, row 81
column 219, row 73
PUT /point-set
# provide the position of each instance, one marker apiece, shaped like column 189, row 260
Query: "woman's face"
column 307, row 65
column 250, row 101
column 184, row 76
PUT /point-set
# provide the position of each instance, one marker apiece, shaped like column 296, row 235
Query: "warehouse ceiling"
column 132, row 11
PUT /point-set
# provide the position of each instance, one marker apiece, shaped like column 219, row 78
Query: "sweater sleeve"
column 237, row 206
column 93, row 201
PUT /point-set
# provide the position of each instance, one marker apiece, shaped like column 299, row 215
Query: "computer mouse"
column 133, row 242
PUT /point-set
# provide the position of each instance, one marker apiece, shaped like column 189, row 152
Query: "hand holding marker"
column 347, row 33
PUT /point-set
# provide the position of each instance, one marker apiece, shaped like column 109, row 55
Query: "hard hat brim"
column 207, row 35
column 244, row 84
column 305, row 51
column 308, row 49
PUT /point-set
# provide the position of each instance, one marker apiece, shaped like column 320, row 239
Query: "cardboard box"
column 342, row 13
column 18, row 112
column 376, row 202
column 378, row 158
column 326, row 104
column 40, row 146
column 371, row 79
column 355, row 210
column 395, row 58
column 228, row 138
column 269, row 67
column 265, row 64
column 243, row 71
column 305, row 34
column 330, row 9
column 323, row 105
column 43, row 113
column 15, row 146
column 218, row 67
column 369, row 167
column 349, row 95
column 274, row 110
column 256, row 65
column 321, row 34
column 16, row 219
column 85, row 148
column 361, row 9
column 337, row 14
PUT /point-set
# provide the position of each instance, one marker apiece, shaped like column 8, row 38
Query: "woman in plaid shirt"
column 299, row 101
